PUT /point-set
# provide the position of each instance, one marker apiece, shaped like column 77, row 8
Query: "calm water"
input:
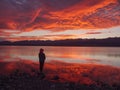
column 96, row 55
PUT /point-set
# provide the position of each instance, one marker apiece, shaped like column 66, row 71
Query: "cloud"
column 2, row 39
column 59, row 15
column 44, row 37
column 94, row 33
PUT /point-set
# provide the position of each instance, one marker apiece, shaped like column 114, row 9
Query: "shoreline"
column 58, row 74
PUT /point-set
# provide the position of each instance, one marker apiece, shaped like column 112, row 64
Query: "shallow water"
column 87, row 55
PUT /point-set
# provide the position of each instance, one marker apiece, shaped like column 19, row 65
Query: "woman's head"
column 41, row 50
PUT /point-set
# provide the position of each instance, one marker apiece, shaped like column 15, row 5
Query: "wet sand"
column 24, row 75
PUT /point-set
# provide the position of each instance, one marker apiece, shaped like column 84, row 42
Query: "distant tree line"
column 68, row 42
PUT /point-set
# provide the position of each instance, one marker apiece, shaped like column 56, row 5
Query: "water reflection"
column 99, row 55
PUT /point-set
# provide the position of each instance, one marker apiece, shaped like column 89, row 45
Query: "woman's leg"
column 41, row 66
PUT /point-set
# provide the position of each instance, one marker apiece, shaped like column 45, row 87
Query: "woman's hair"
column 41, row 50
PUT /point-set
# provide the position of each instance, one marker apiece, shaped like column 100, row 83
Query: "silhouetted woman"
column 42, row 58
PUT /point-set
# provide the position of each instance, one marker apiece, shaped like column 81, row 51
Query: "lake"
column 90, row 55
column 83, row 65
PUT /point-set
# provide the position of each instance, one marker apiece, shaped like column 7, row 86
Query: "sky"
column 59, row 19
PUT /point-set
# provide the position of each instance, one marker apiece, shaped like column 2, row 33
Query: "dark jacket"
column 42, row 57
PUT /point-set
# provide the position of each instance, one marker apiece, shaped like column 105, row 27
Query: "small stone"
column 56, row 77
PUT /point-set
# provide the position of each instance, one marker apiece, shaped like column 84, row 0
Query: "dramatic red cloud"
column 55, row 15
column 88, row 14
column 59, row 15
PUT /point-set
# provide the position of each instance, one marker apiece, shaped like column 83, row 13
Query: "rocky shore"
column 24, row 75
column 38, row 81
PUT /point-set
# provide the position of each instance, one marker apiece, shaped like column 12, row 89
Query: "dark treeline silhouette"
column 68, row 42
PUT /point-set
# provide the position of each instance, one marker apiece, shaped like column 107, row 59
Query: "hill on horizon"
column 68, row 42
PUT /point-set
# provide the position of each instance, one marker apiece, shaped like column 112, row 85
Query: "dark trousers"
column 41, row 66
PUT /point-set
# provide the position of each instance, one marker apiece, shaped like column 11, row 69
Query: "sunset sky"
column 58, row 19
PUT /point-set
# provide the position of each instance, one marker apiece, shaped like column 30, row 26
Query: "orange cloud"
column 55, row 15
column 93, row 32
column 44, row 37
column 88, row 14
column 24, row 15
